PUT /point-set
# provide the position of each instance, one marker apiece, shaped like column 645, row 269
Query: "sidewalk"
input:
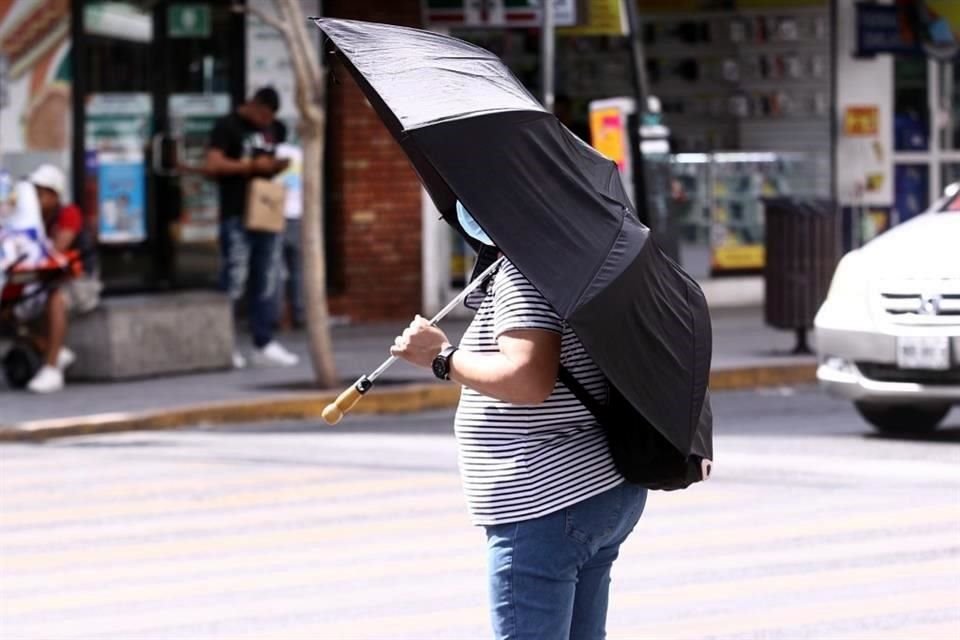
column 746, row 354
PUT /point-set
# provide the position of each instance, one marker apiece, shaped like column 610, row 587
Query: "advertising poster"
column 121, row 201
column 192, row 117
column 609, row 120
column 117, row 133
column 861, row 150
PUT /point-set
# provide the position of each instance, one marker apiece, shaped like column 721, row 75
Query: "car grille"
column 892, row 373
column 921, row 303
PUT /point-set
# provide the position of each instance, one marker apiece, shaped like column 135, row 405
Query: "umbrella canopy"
column 553, row 205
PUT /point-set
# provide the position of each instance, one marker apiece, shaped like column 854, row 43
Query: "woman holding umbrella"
column 536, row 468
column 582, row 294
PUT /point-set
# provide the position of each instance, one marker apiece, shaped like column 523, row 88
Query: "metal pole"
column 453, row 304
column 640, row 97
column 548, row 52
column 334, row 412
column 640, row 87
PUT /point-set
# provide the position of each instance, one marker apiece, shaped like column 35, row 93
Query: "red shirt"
column 70, row 219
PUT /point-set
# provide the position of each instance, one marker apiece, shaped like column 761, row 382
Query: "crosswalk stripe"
column 26, row 477
column 795, row 615
column 206, row 523
column 698, row 540
column 440, row 622
column 340, row 489
column 378, row 559
column 118, row 530
column 924, row 631
column 820, row 465
column 305, row 577
column 169, row 549
column 66, row 495
column 757, row 533
column 390, row 553
column 788, row 582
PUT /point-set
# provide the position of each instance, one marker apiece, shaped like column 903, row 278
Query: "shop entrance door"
column 151, row 78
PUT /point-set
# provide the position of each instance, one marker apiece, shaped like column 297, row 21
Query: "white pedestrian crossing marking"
column 192, row 549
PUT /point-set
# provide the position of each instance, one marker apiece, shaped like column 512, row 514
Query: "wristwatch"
column 441, row 364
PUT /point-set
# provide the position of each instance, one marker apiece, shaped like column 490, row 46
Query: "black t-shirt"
column 237, row 138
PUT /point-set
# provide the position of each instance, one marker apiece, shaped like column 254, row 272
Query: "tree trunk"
column 314, row 254
column 311, row 99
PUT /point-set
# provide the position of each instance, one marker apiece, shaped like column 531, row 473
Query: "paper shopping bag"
column 265, row 200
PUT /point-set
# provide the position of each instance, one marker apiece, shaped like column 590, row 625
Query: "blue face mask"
column 471, row 227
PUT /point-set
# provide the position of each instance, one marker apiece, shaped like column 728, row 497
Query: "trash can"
column 802, row 251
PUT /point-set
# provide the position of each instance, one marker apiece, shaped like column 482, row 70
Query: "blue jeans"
column 550, row 576
column 250, row 259
column 293, row 267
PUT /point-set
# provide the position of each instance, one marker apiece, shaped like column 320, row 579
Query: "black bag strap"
column 485, row 257
column 578, row 390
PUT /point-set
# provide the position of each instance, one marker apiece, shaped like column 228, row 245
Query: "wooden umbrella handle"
column 334, row 412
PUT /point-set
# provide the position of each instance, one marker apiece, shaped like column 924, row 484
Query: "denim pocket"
column 593, row 520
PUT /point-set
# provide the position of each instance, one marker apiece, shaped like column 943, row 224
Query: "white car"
column 888, row 334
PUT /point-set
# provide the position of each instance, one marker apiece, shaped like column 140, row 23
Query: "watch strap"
column 444, row 357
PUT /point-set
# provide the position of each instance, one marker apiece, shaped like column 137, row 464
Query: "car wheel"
column 903, row 419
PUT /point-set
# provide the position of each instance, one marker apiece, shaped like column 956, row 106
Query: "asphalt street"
column 813, row 527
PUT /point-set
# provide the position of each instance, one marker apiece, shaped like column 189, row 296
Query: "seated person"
column 62, row 225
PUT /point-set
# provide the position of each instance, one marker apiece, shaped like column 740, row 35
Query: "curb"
column 400, row 399
column 763, row 376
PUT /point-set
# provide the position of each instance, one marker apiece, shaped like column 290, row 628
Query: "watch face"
column 439, row 367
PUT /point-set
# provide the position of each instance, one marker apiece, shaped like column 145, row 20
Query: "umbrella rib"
column 600, row 264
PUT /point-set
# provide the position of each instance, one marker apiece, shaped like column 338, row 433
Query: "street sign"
column 188, row 21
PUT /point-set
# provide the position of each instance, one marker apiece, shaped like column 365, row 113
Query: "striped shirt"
column 520, row 462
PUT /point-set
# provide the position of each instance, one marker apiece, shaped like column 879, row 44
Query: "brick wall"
column 373, row 194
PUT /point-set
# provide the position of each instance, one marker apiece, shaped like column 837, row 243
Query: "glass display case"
column 717, row 202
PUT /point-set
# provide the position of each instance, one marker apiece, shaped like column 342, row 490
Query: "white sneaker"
column 239, row 362
column 47, row 380
column 274, row 355
column 65, row 358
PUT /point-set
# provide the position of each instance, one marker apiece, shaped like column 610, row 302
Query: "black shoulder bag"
column 641, row 454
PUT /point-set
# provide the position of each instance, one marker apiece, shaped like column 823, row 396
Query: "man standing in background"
column 243, row 146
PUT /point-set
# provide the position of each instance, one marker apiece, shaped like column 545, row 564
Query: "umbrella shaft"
column 479, row 280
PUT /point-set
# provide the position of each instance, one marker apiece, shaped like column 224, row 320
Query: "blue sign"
column 120, row 196
column 880, row 30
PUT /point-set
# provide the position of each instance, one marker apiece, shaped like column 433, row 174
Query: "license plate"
column 923, row 352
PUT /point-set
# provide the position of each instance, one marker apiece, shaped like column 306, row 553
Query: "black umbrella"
column 552, row 204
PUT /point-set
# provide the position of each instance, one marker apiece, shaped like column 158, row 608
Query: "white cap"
column 50, row 177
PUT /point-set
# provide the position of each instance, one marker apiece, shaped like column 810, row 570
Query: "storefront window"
column 949, row 173
column 911, row 120
column 118, row 39
column 911, row 190
column 949, row 74
column 119, row 113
